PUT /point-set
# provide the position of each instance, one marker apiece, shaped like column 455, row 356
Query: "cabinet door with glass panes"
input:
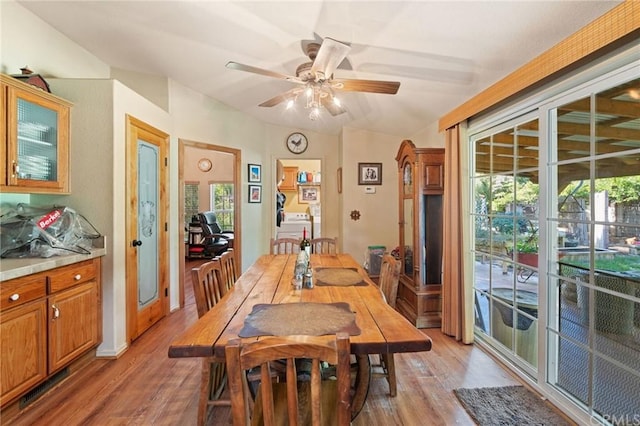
column 35, row 149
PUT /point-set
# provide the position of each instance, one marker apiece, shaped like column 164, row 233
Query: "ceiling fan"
column 316, row 82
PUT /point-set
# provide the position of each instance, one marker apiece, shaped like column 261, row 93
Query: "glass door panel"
column 595, row 337
column 506, row 220
column 37, row 142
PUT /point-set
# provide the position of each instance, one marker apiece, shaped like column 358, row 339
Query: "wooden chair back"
column 330, row 403
column 324, row 245
column 207, row 285
column 229, row 269
column 389, row 277
column 285, row 246
column 208, row 290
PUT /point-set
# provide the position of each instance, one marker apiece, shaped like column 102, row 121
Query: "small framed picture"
column 255, row 173
column 308, row 194
column 369, row 173
column 255, row 193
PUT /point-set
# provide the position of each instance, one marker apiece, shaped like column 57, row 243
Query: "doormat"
column 508, row 405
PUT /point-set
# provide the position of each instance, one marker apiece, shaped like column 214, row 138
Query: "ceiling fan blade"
column 248, row 68
column 330, row 106
column 330, row 55
column 371, row 86
column 304, row 44
column 289, row 94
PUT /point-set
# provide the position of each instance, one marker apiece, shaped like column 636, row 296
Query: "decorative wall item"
column 204, row 164
column 255, row 173
column 255, row 193
column 339, row 180
column 308, row 194
column 369, row 173
column 355, row 215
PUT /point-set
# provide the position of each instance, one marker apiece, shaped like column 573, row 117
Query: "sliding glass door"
column 506, row 233
column 555, row 213
column 594, row 235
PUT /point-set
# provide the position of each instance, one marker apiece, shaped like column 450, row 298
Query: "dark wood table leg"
column 361, row 378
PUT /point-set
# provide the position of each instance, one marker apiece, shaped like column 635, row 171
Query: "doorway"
column 201, row 167
column 300, row 185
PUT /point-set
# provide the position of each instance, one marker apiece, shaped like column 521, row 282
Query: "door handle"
column 56, row 312
column 136, row 243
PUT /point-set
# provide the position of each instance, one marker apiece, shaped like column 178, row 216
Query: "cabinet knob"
column 14, row 169
column 56, row 311
column 77, row 277
column 14, row 297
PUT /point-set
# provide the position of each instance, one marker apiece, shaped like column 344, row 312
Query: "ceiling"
column 442, row 53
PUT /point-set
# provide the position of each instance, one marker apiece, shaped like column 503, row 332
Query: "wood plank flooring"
column 145, row 387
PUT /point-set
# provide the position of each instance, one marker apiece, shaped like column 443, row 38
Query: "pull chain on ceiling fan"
column 315, row 80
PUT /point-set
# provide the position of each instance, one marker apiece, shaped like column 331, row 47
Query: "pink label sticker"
column 49, row 219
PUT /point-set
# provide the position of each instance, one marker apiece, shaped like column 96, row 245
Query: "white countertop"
column 16, row 268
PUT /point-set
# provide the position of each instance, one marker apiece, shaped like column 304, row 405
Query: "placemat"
column 307, row 318
column 338, row 277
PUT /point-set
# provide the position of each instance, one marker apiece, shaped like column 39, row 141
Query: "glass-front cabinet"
column 35, row 143
column 421, row 187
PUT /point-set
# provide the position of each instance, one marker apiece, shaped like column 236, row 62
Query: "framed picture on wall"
column 308, row 194
column 255, row 193
column 369, row 173
column 255, row 173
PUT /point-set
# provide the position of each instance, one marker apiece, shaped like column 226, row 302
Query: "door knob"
column 136, row 243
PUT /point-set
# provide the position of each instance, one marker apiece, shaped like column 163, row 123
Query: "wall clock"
column 204, row 164
column 297, row 143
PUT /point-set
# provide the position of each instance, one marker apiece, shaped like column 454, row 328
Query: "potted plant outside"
column 527, row 251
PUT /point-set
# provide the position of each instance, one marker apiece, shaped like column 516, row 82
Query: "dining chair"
column 323, row 402
column 285, row 246
column 324, row 245
column 389, row 278
column 207, row 290
column 229, row 270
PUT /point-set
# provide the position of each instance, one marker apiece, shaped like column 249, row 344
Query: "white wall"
column 378, row 222
column 28, row 40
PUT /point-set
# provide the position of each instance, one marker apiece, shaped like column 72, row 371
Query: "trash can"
column 374, row 259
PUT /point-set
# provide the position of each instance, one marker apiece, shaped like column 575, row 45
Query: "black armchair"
column 216, row 241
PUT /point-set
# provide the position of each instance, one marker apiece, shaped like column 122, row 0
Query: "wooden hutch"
column 421, row 189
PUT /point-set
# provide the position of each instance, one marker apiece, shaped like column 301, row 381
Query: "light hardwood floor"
column 145, row 387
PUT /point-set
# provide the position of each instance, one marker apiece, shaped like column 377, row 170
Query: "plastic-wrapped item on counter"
column 29, row 231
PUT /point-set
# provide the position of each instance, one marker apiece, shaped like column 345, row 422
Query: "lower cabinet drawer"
column 72, row 275
column 19, row 291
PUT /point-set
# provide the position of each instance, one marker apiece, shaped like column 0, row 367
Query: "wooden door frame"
column 237, row 202
column 132, row 223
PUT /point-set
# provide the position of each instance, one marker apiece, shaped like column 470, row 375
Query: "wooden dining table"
column 269, row 281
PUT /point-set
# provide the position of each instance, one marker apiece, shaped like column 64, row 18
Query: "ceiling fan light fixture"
column 290, row 103
column 314, row 114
